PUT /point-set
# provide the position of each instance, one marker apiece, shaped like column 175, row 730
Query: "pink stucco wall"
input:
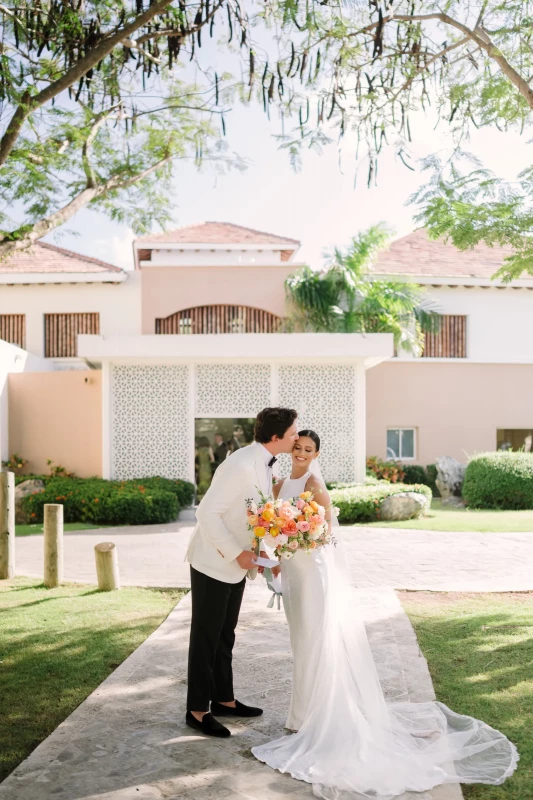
column 57, row 415
column 166, row 290
column 456, row 408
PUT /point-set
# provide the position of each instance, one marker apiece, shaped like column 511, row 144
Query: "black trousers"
column 215, row 612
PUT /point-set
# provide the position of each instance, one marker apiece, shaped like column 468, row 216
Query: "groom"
column 220, row 556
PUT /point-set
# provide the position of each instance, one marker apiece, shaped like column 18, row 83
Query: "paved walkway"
column 128, row 741
column 153, row 555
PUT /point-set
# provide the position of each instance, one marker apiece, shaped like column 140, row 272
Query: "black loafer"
column 209, row 725
column 240, row 710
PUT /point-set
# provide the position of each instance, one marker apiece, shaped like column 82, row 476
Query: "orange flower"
column 301, row 518
column 279, row 522
column 290, row 527
column 259, row 532
column 96, row 500
column 313, row 505
column 268, row 514
column 306, row 495
column 252, row 519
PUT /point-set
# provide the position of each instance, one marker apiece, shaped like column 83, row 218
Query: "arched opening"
column 219, row 319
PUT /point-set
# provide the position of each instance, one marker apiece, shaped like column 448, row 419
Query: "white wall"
column 500, row 321
column 119, row 306
column 232, row 258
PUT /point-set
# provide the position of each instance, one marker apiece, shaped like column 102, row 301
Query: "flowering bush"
column 14, row 463
column 385, row 470
column 362, row 503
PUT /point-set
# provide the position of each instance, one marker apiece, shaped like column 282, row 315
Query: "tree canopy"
column 100, row 101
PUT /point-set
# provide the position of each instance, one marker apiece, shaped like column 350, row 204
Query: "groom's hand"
column 246, row 560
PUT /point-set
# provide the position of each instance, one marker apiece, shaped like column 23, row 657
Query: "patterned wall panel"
column 150, row 421
column 324, row 399
column 232, row 390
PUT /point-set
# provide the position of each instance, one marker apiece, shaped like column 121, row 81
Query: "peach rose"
column 293, row 545
column 252, row 519
column 285, row 512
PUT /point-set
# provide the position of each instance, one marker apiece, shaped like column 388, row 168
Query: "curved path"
column 153, row 555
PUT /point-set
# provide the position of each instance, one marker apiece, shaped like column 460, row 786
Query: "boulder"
column 22, row 490
column 450, row 477
column 407, row 505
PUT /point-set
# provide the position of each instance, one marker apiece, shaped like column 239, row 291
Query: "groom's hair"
column 273, row 422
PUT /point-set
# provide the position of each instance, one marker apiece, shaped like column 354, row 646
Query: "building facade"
column 161, row 369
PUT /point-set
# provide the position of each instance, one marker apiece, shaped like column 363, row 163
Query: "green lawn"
column 57, row 646
column 464, row 519
column 31, row 530
column 480, row 653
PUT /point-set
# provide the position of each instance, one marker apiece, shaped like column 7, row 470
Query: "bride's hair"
column 312, row 435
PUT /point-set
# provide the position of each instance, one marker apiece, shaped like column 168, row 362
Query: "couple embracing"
column 345, row 739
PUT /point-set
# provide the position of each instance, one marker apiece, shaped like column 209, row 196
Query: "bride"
column 347, row 741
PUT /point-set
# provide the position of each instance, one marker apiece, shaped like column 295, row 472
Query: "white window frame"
column 415, row 443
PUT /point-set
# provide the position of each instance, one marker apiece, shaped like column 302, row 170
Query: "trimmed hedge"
column 415, row 473
column 101, row 502
column 362, row 503
column 500, row 480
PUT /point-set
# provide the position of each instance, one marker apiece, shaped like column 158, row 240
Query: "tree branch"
column 28, row 104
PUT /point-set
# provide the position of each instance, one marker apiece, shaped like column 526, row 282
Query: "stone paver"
column 128, row 739
column 154, row 556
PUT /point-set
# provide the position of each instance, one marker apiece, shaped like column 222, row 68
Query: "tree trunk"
column 107, row 566
column 53, row 544
column 7, row 525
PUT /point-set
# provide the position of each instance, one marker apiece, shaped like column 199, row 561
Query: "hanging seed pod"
column 230, row 23
column 216, row 89
column 271, row 89
column 251, row 67
column 317, row 64
column 303, row 65
column 293, row 56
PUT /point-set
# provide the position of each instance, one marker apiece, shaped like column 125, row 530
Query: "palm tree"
column 344, row 296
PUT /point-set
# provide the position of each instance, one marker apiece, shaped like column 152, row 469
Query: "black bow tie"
column 272, row 461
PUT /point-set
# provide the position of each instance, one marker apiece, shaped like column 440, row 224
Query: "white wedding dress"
column 350, row 743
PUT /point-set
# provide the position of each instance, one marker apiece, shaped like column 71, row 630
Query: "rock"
column 456, row 502
column 407, row 505
column 22, row 490
column 450, row 477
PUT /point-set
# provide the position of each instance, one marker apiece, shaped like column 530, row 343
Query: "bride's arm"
column 320, row 496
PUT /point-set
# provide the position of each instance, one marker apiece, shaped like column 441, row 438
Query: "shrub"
column 101, row 502
column 499, row 480
column 387, row 470
column 431, row 471
column 30, row 477
column 414, row 473
column 362, row 503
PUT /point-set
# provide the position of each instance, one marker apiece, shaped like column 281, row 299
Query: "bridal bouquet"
column 288, row 525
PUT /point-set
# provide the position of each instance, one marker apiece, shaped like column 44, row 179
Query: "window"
column 401, row 443
column 13, row 329
column 515, row 439
column 61, row 333
column 449, row 341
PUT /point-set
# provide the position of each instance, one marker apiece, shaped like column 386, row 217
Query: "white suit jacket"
column 222, row 532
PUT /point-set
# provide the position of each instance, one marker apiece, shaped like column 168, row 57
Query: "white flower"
column 318, row 531
column 277, row 504
column 282, row 538
column 321, row 511
column 287, row 555
column 253, row 507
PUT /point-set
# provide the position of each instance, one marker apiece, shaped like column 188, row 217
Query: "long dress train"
column 351, row 743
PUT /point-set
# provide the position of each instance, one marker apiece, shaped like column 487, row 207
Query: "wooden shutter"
column 61, row 332
column 219, row 319
column 13, row 329
column 450, row 341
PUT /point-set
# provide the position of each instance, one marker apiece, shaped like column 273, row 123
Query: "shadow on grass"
column 482, row 665
column 53, row 656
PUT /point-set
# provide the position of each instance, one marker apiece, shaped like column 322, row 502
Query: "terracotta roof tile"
column 218, row 233
column 43, row 257
column 417, row 254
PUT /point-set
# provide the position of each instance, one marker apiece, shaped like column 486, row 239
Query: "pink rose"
column 293, row 545
column 300, row 504
column 303, row 526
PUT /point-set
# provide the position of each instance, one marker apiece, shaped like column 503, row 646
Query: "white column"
column 106, row 419
column 192, row 416
column 359, row 389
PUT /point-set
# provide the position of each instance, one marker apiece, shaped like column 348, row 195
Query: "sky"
column 320, row 206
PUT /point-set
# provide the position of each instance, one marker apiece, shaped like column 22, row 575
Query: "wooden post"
column 53, row 544
column 7, row 525
column 107, row 566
